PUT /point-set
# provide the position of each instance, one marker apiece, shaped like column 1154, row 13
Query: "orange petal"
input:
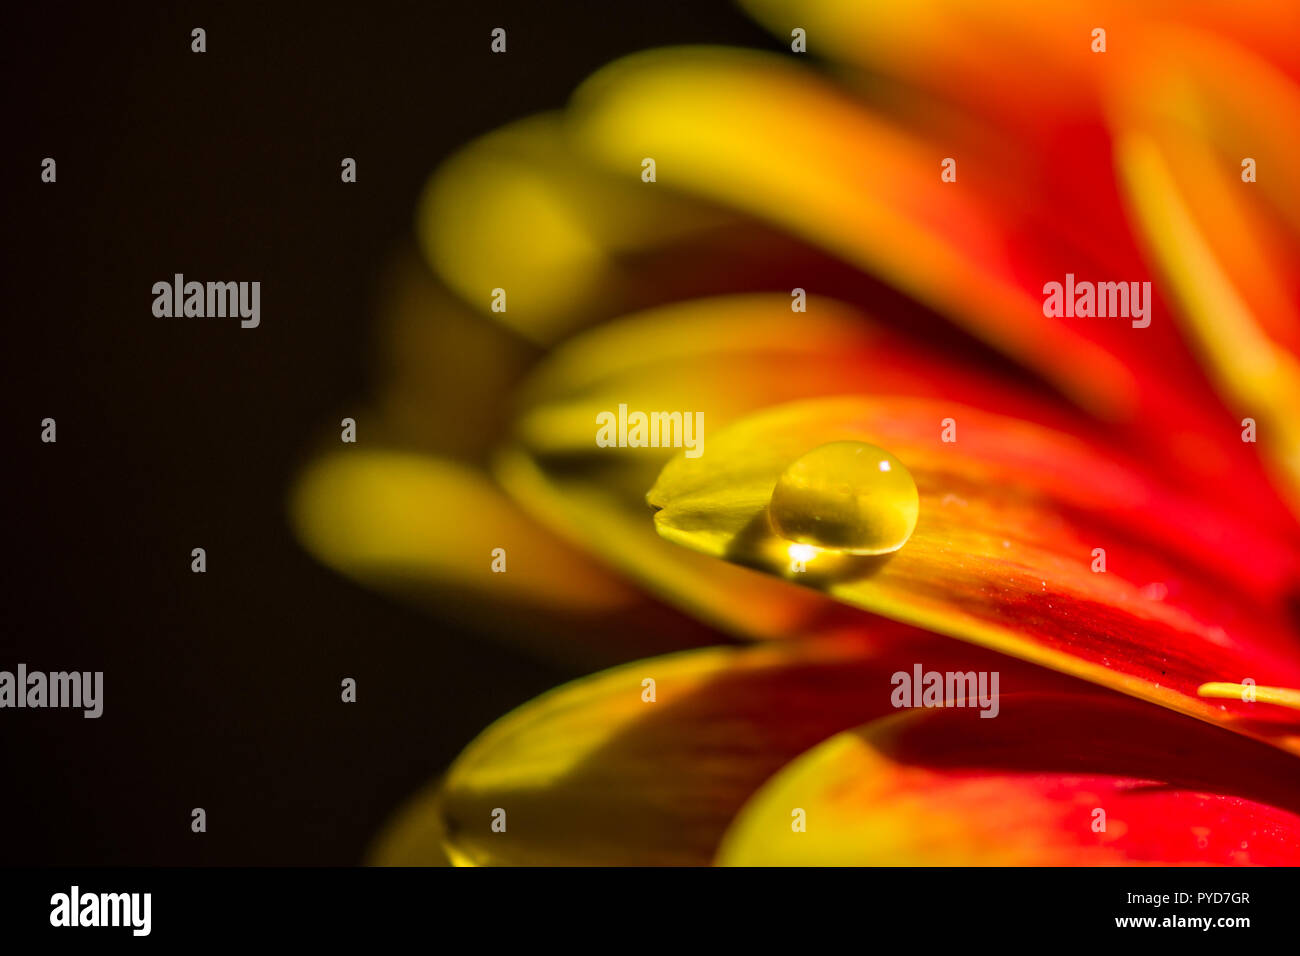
column 1019, row 59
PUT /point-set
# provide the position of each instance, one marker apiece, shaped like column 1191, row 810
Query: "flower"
column 1107, row 508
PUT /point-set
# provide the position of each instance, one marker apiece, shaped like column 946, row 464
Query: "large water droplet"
column 846, row 496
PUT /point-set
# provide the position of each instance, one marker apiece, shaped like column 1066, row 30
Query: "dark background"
column 222, row 689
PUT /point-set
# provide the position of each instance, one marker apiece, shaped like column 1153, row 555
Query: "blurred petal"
column 1027, row 61
column 731, row 126
column 593, row 774
column 510, row 177
column 385, row 513
column 414, row 837
column 1228, row 249
column 944, row 787
column 1003, row 553
column 426, row 530
column 571, row 242
column 438, row 354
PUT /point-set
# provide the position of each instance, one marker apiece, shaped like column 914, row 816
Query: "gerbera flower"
column 1104, row 509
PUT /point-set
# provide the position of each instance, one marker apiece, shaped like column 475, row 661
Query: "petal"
column 1228, row 249
column 414, row 837
column 427, row 530
column 732, row 126
column 720, row 358
column 1026, row 61
column 386, row 513
column 570, row 242
column 1003, row 553
column 593, row 774
column 735, row 128
column 943, row 787
column 436, row 353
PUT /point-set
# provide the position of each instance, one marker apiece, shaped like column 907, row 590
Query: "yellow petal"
column 720, row 358
column 395, row 515
column 519, row 211
column 427, row 530
column 414, row 836
column 436, row 353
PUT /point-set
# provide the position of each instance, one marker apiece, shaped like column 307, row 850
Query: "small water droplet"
column 846, row 496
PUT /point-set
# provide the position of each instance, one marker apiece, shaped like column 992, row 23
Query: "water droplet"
column 802, row 553
column 846, row 496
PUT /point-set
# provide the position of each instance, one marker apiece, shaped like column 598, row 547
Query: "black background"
column 222, row 688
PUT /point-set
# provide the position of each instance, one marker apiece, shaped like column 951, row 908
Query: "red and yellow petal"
column 1005, row 552
column 594, row 773
column 1050, row 781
